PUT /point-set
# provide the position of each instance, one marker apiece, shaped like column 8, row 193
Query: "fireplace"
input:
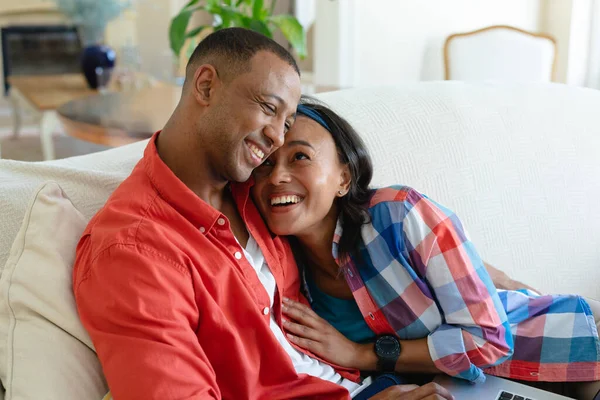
column 39, row 50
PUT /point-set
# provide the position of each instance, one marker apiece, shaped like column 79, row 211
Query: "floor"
column 27, row 146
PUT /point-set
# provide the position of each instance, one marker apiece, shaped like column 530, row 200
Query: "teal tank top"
column 343, row 314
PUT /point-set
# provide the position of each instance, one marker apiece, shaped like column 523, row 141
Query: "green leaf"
column 257, row 9
column 177, row 30
column 196, row 31
column 189, row 4
column 232, row 17
column 293, row 32
column 260, row 27
column 179, row 25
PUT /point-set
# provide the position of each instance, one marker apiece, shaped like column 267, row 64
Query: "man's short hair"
column 230, row 51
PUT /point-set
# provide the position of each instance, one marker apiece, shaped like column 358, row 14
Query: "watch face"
column 387, row 346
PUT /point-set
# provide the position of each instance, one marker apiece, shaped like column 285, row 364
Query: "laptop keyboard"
column 504, row 395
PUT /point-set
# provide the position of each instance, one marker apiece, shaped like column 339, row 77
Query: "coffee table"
column 118, row 118
column 42, row 95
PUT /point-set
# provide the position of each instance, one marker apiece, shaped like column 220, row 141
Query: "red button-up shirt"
column 171, row 310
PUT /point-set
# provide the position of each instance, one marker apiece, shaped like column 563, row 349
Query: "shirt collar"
column 337, row 235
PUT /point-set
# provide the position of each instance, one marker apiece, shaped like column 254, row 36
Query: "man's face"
column 249, row 116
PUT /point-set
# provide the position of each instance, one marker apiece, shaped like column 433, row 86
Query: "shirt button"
column 221, row 221
column 238, row 255
column 202, row 229
column 265, row 310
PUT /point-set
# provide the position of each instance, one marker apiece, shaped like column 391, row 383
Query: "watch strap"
column 385, row 364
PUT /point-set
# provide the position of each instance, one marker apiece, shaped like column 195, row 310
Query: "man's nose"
column 276, row 134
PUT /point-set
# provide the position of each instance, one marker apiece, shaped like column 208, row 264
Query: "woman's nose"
column 279, row 175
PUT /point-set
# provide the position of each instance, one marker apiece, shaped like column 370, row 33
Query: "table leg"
column 17, row 111
column 47, row 125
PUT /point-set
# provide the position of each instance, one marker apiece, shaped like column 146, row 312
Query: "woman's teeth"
column 282, row 200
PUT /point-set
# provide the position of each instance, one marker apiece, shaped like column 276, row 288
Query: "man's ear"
column 205, row 81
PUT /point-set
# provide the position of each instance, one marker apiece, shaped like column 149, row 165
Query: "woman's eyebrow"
column 300, row 143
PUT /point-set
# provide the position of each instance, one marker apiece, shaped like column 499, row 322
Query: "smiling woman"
column 401, row 271
column 337, row 168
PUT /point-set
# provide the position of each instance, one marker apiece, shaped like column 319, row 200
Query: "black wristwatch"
column 387, row 349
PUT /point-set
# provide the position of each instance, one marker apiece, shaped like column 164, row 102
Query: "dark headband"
column 312, row 114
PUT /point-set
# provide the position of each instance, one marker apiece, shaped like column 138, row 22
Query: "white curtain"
column 593, row 68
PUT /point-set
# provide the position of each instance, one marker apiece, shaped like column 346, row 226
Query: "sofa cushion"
column 45, row 353
column 88, row 179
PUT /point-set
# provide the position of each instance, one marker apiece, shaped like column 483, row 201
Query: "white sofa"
column 519, row 164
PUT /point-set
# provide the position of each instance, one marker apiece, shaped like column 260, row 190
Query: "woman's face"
column 297, row 186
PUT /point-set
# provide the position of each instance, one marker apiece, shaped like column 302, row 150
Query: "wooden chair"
column 500, row 53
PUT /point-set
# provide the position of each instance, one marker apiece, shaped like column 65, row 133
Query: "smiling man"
column 177, row 279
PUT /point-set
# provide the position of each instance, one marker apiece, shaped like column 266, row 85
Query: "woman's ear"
column 206, row 80
column 345, row 181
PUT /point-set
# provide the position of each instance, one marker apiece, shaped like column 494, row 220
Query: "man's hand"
column 316, row 335
column 431, row 391
column 503, row 281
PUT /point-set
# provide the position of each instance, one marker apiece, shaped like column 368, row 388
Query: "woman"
column 392, row 261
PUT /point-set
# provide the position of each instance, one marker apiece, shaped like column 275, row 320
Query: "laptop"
column 494, row 388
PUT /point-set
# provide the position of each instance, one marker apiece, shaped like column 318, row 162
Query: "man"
column 177, row 279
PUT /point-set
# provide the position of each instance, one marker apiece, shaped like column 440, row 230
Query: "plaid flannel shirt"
column 420, row 276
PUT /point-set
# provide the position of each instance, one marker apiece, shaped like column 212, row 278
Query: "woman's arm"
column 316, row 335
column 475, row 332
column 414, row 357
column 503, row 281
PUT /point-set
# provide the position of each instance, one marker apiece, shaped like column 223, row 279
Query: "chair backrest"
column 500, row 53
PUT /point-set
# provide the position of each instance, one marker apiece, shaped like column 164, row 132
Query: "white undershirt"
column 303, row 363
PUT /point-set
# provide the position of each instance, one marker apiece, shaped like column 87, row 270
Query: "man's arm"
column 503, row 281
column 140, row 311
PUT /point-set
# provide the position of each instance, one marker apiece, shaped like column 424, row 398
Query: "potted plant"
column 256, row 15
column 91, row 17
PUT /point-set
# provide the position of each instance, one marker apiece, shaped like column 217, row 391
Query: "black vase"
column 97, row 61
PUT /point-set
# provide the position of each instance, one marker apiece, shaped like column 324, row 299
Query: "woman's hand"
column 502, row 281
column 316, row 335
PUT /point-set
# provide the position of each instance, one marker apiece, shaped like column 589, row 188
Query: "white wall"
column 402, row 40
column 152, row 22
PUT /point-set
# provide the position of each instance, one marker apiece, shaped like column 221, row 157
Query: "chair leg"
column 17, row 116
column 47, row 125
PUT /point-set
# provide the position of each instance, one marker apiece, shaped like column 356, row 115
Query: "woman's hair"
column 353, row 153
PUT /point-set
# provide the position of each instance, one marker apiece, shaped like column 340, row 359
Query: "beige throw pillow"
column 45, row 353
